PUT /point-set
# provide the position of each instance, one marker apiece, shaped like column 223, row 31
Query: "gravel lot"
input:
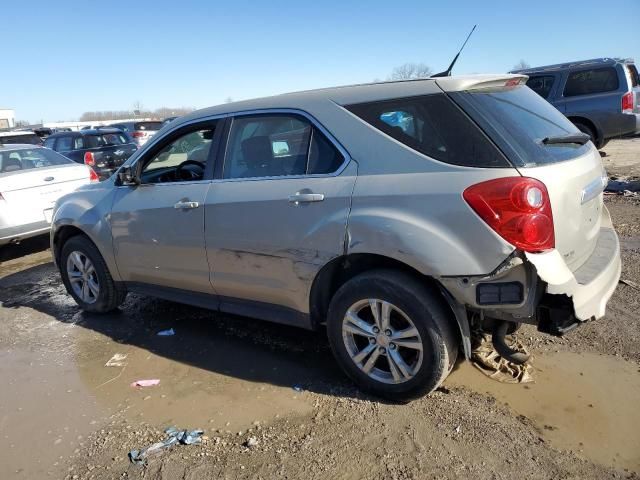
column 64, row 414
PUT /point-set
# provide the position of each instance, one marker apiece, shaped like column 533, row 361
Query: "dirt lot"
column 64, row 414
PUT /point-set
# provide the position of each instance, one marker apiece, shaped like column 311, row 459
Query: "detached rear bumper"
column 590, row 287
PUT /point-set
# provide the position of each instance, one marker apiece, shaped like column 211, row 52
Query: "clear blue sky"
column 60, row 59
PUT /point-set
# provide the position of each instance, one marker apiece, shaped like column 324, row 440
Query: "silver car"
column 31, row 180
column 401, row 215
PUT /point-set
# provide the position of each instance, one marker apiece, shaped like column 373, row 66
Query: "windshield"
column 27, row 159
column 518, row 119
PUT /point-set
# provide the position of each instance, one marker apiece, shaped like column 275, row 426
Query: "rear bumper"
column 20, row 232
column 591, row 286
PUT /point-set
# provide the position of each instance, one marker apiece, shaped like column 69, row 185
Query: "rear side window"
column 27, row 139
column 433, row 126
column 596, row 80
column 541, row 84
column 276, row 146
column 64, row 144
column 49, row 143
column 147, row 126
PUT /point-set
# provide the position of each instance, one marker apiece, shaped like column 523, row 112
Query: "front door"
column 279, row 210
column 158, row 226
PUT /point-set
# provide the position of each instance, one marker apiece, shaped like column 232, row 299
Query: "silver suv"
column 401, row 215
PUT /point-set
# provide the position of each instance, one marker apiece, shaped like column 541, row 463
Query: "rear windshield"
column 147, row 126
column 518, row 119
column 434, row 126
column 104, row 140
column 16, row 160
column 32, row 139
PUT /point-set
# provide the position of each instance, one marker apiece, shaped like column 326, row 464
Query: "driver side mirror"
column 127, row 176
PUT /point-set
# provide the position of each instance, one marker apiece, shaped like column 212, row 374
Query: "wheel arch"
column 589, row 123
column 341, row 269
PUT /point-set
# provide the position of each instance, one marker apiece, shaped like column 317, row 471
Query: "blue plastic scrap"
column 166, row 333
column 174, row 436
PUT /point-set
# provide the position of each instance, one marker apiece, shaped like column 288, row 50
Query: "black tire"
column 589, row 131
column 110, row 294
column 428, row 312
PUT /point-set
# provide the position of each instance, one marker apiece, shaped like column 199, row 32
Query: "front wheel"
column 87, row 278
column 392, row 335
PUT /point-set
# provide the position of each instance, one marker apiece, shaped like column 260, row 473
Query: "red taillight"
column 517, row 208
column 627, row 102
column 89, row 160
column 137, row 134
column 93, row 176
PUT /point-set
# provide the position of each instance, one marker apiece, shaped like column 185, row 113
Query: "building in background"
column 7, row 118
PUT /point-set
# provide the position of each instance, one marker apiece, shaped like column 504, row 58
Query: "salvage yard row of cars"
column 289, row 209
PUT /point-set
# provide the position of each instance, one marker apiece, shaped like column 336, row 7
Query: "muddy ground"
column 64, row 414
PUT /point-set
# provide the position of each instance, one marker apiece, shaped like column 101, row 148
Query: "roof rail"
column 579, row 63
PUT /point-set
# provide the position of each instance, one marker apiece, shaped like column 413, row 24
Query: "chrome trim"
column 592, row 190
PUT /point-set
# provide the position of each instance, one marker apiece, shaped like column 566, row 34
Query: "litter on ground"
column 118, row 360
column 174, row 437
column 166, row 333
column 146, row 383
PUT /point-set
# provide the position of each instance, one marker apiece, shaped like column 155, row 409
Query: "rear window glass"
column 147, row 126
column 29, row 139
column 104, row 140
column 433, row 126
column 541, row 84
column 517, row 119
column 596, row 80
column 17, row 160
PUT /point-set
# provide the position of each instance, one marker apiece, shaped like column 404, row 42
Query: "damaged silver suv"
column 401, row 215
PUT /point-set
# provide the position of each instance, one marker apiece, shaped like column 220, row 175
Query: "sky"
column 60, row 59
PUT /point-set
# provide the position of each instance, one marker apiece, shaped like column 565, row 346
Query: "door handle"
column 299, row 198
column 186, row 205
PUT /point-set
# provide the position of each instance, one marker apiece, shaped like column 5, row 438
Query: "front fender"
column 88, row 210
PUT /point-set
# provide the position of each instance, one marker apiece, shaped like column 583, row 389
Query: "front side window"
column 182, row 159
column 433, row 126
column 541, row 84
column 595, row 80
column 278, row 145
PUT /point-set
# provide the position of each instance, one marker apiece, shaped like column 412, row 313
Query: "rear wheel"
column 391, row 334
column 87, row 278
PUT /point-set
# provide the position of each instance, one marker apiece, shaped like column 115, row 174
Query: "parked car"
column 140, row 132
column 104, row 149
column 19, row 137
column 31, row 180
column 600, row 96
column 403, row 215
column 168, row 120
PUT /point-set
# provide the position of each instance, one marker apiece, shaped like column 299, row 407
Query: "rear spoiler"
column 476, row 82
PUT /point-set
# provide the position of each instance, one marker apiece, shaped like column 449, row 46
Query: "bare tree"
column 22, row 123
column 158, row 113
column 228, row 100
column 521, row 65
column 410, row 71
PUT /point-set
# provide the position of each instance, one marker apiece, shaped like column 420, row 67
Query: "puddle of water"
column 587, row 403
column 45, row 413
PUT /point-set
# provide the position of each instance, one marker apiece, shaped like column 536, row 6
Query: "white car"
column 31, row 180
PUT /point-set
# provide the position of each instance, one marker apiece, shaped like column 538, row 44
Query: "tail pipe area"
column 506, row 352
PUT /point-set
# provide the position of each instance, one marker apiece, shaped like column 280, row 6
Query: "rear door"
column 518, row 120
column 278, row 210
